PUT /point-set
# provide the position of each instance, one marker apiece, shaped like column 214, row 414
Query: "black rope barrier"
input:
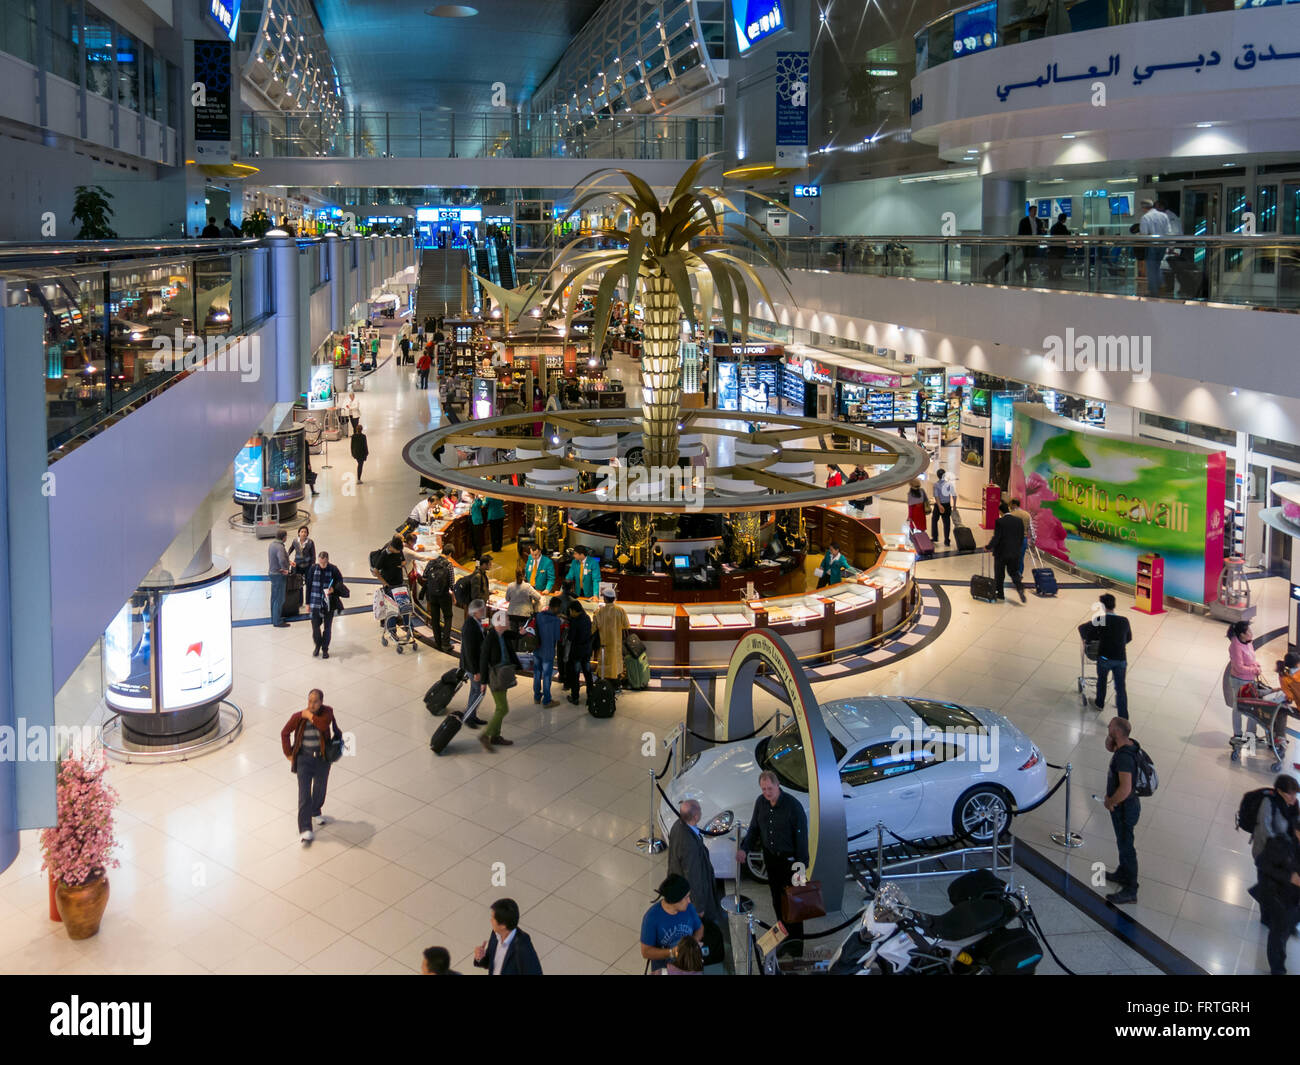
column 733, row 739
column 667, row 763
column 703, row 832
column 1031, row 918
column 1055, row 788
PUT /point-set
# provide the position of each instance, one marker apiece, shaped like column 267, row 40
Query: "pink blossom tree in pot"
column 78, row 849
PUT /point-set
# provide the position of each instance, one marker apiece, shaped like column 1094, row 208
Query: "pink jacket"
column 1242, row 659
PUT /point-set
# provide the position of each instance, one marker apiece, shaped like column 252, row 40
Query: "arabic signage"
column 755, row 20
column 792, row 109
column 212, row 120
column 1215, row 53
column 1097, row 500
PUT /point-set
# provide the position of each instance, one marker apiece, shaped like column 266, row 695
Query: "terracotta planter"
column 54, row 908
column 82, row 906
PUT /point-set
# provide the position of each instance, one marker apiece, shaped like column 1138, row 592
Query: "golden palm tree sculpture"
column 666, row 248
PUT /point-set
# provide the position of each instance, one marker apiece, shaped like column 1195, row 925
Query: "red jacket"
column 325, row 724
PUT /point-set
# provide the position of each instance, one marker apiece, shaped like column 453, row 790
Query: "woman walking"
column 497, row 668
column 306, row 739
column 916, row 504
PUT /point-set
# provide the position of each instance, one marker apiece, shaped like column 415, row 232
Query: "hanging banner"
column 212, row 113
column 792, row 109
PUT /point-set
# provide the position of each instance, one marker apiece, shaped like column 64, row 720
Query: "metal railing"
column 493, row 134
column 1248, row 271
column 124, row 321
column 985, row 24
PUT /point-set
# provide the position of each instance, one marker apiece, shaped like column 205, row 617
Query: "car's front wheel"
column 635, row 456
column 981, row 814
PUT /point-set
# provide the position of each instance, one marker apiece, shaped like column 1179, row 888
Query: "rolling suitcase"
column 446, row 732
column 922, row 542
column 1044, row 577
column 962, row 534
column 982, row 586
column 600, row 698
column 292, row 595
column 439, row 697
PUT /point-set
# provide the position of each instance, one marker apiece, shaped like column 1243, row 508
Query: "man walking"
column 322, row 585
column 1014, row 507
column 1005, row 546
column 1124, row 807
column 508, row 951
column 1153, row 225
column 1273, row 845
column 471, row 651
column 549, row 627
column 1112, row 634
column 278, row 569
column 360, row 450
column 945, row 499
column 779, row 827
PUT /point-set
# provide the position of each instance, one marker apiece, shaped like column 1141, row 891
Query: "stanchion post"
column 749, row 945
column 880, row 853
column 651, row 844
column 1067, row 839
column 738, row 903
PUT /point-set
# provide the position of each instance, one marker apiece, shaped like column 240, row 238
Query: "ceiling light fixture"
column 1068, row 136
column 452, row 11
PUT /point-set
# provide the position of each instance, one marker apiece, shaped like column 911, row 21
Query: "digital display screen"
column 248, row 472
column 285, row 470
column 195, row 645
column 755, row 20
column 975, row 29
column 807, row 192
column 682, row 561
column 127, row 677
column 979, row 402
column 1000, row 436
column 484, row 398
column 321, row 394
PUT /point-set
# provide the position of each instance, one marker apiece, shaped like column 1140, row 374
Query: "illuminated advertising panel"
column 195, row 645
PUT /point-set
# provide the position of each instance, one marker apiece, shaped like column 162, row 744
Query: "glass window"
column 1265, row 208
column 942, row 715
column 658, row 79
column 128, row 71
column 1290, row 209
column 65, row 62
column 97, row 34
column 783, row 754
column 878, row 761
column 18, row 28
column 690, row 60
column 681, row 42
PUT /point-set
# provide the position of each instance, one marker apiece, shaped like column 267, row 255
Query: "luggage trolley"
column 395, row 613
column 1089, row 650
column 1267, row 707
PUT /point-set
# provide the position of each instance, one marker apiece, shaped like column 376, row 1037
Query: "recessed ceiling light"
column 452, row 11
column 1204, row 125
column 1068, row 136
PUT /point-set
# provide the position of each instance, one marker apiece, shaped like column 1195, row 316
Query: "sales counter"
column 683, row 627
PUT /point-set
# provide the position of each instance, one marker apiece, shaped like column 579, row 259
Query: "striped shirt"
column 311, row 740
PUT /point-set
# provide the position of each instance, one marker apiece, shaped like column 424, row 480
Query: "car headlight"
column 690, row 761
column 720, row 823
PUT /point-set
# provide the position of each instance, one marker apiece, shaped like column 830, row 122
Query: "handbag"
column 334, row 749
column 501, row 678
column 802, row 902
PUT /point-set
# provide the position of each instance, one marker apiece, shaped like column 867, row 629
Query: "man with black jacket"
column 688, row 857
column 438, row 577
column 508, row 951
column 471, row 651
column 392, row 568
column 1008, row 535
column 360, row 450
column 1112, row 633
column 779, row 827
column 1278, row 893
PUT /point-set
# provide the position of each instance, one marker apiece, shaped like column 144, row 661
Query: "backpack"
column 1145, row 779
column 460, row 591
column 437, row 578
column 376, row 561
column 1248, row 809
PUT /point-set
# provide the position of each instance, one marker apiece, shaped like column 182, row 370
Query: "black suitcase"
column 965, row 538
column 1044, row 578
column 600, row 698
column 446, row 732
column 439, row 697
column 633, row 644
column 292, row 596
column 982, row 586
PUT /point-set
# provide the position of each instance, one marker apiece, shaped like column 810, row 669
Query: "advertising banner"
column 195, row 645
column 212, row 117
column 321, row 394
column 1099, row 500
column 128, row 677
column 792, row 109
column 248, row 472
column 1001, row 429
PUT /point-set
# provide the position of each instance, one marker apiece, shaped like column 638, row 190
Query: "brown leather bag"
column 802, row 903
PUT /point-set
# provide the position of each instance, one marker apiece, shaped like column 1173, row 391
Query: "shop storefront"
column 748, row 377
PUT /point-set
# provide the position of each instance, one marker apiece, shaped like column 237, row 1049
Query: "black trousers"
column 780, row 875
column 360, row 464
column 579, row 665
column 497, row 528
column 476, row 538
column 321, row 623
column 440, row 620
column 944, row 510
column 1001, row 568
column 1281, row 920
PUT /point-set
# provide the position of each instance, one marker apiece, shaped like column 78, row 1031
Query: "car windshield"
column 943, row 716
column 783, row 754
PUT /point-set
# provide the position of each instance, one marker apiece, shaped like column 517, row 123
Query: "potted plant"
column 92, row 210
column 256, row 224
column 78, row 849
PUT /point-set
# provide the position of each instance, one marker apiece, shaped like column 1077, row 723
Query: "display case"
column 719, row 616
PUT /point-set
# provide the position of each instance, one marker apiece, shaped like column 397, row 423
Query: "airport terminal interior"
column 751, row 487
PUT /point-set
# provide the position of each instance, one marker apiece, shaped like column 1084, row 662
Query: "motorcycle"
column 988, row 931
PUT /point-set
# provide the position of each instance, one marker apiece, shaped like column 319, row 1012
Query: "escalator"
column 483, row 264
column 505, row 262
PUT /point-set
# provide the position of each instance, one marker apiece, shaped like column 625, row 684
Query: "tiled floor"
column 213, row 878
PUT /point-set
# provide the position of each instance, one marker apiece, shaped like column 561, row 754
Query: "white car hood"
column 724, row 778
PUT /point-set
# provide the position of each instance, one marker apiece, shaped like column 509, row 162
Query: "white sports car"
column 922, row 767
